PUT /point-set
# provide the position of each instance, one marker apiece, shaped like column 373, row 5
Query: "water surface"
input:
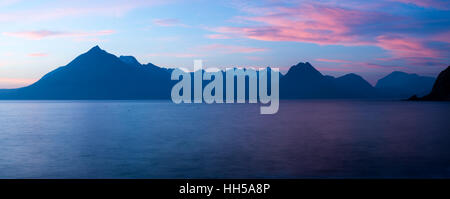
column 159, row 139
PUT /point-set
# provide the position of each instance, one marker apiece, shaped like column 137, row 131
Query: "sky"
column 370, row 38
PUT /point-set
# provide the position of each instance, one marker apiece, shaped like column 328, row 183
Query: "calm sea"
column 159, row 139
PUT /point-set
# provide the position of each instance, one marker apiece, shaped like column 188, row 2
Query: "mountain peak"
column 95, row 58
column 401, row 76
column 402, row 85
column 95, row 49
column 304, row 68
column 304, row 64
column 354, row 79
column 399, row 72
column 351, row 75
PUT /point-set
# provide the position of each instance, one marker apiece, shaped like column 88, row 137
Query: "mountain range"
column 98, row 74
column 400, row 85
column 304, row 81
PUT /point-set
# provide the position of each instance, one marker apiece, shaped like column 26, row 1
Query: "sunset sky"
column 371, row 38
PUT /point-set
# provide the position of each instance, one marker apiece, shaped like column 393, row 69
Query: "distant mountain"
column 441, row 88
column 304, row 81
column 97, row 74
column 403, row 85
column 354, row 86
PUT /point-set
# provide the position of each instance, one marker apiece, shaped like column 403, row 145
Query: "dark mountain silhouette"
column 441, row 88
column 354, row 86
column 304, row 81
column 97, row 74
column 402, row 85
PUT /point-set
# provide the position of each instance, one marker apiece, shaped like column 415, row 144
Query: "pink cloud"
column 38, row 54
column 332, row 24
column 438, row 4
column 40, row 34
column 230, row 49
column 311, row 23
column 403, row 46
column 32, row 34
column 218, row 36
column 442, row 37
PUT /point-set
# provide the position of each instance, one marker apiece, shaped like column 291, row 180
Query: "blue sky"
column 370, row 38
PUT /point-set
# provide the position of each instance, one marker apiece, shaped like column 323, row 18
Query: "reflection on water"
column 158, row 139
